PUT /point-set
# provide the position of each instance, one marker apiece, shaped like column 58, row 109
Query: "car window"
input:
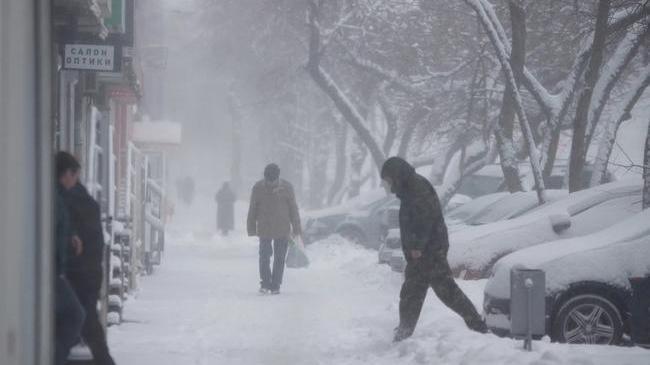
column 555, row 182
column 467, row 210
column 605, row 214
column 508, row 207
column 479, row 185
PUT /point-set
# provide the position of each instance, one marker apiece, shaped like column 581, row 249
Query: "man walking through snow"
column 273, row 217
column 425, row 244
column 84, row 270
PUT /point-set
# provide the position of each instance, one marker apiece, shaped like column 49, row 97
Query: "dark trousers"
column 87, row 285
column 432, row 270
column 272, row 279
column 69, row 320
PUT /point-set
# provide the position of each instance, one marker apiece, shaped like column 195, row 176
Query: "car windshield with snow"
column 512, row 206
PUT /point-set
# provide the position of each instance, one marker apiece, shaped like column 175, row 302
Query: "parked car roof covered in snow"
column 474, row 249
column 461, row 213
column 512, row 205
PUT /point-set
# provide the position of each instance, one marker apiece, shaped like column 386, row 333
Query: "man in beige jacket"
column 273, row 217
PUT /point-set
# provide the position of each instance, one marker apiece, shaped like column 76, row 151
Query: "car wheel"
column 588, row 319
column 353, row 235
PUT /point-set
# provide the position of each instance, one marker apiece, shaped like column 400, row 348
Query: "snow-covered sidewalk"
column 202, row 307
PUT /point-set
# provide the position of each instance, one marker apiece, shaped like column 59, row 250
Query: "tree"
column 504, row 132
column 509, row 75
column 646, row 172
column 579, row 143
column 608, row 137
column 332, row 89
column 341, row 162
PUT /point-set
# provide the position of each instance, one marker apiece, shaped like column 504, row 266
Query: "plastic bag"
column 296, row 256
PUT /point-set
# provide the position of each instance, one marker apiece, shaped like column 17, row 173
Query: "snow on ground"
column 201, row 307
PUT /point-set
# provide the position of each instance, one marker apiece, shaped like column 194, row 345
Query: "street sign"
column 90, row 57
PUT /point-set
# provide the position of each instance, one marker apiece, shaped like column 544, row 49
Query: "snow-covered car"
column 457, row 201
column 508, row 206
column 369, row 226
column 397, row 262
column 323, row 223
column 391, row 244
column 460, row 214
column 587, row 282
column 474, row 250
column 487, row 180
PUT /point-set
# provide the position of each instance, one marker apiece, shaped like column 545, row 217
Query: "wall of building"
column 25, row 184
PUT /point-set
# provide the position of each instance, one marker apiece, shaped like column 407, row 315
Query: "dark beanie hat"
column 64, row 161
column 271, row 172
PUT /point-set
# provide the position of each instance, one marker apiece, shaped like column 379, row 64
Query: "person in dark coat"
column 68, row 312
column 425, row 243
column 273, row 216
column 84, row 271
column 225, row 209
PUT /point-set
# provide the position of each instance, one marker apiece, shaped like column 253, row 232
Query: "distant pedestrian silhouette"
column 225, row 199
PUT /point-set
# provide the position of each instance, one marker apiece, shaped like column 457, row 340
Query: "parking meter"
column 527, row 304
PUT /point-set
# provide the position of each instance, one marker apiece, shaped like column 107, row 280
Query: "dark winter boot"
column 478, row 326
column 275, row 292
column 401, row 333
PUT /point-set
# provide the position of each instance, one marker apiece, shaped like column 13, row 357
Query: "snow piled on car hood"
column 478, row 245
column 609, row 256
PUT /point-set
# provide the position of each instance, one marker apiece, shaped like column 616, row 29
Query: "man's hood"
column 399, row 172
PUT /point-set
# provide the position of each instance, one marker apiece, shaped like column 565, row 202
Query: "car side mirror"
column 560, row 222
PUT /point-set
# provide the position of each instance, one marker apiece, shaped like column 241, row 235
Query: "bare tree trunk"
column 441, row 165
column 331, row 88
column 448, row 188
column 551, row 151
column 504, row 131
column 341, row 162
column 578, row 143
column 646, row 172
column 612, row 72
column 319, row 153
column 533, row 154
column 357, row 158
column 391, row 122
column 608, row 137
column 409, row 130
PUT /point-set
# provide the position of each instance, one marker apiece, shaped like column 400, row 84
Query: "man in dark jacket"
column 85, row 270
column 69, row 314
column 273, row 216
column 225, row 209
column 425, row 244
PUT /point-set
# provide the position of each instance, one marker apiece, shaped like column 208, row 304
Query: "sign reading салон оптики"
column 89, row 57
